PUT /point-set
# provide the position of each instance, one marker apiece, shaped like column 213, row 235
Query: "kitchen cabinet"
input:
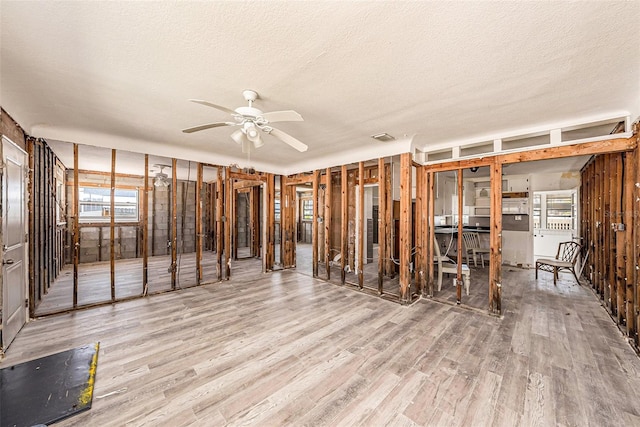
column 516, row 185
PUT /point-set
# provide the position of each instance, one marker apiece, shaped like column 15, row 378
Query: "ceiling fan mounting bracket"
column 250, row 95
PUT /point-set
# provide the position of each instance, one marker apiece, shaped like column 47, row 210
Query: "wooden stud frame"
column 174, row 221
column 112, row 225
column 361, row 225
column 76, row 223
column 327, row 222
column 344, row 224
column 405, row 227
column 199, row 231
column 382, row 223
column 219, row 222
column 314, row 224
column 145, row 227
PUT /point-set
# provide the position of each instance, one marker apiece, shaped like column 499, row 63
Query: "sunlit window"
column 95, row 204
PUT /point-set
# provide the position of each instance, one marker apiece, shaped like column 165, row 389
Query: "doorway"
column 14, row 265
column 555, row 218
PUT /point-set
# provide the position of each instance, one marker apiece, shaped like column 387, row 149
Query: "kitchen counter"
column 454, row 230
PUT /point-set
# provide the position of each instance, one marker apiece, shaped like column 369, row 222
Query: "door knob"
column 7, row 261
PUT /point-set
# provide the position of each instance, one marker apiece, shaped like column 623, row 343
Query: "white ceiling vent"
column 384, row 137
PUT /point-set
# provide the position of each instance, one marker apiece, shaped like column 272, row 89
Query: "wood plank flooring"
column 285, row 349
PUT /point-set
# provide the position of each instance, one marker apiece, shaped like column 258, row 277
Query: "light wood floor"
column 285, row 349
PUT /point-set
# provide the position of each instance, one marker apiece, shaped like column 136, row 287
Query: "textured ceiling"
column 119, row 74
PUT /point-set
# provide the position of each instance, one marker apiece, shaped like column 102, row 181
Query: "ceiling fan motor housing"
column 248, row 112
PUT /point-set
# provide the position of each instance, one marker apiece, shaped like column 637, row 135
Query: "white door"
column 555, row 219
column 14, row 258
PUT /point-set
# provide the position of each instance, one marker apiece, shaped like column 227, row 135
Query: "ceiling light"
column 238, row 136
column 161, row 179
column 384, row 137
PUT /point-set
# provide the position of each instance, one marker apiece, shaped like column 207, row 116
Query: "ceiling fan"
column 161, row 179
column 252, row 121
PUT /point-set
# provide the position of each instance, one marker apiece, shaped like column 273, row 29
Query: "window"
column 536, row 211
column 277, row 207
column 95, row 204
column 560, row 209
column 307, row 209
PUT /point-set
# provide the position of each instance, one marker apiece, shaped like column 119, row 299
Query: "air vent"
column 384, row 137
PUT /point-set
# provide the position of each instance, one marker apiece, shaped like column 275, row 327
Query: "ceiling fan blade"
column 218, row 107
column 282, row 116
column 207, row 126
column 288, row 139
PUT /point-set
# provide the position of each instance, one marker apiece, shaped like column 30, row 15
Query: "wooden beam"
column 76, row 229
column 405, row 227
column 112, row 226
column 314, row 225
column 199, row 231
column 174, row 222
column 628, row 221
column 239, row 185
column 145, row 227
column 300, row 179
column 246, row 176
column 382, row 223
column 228, row 219
column 495, row 263
column 460, row 259
column 361, row 226
column 107, row 175
column 587, row 148
column 219, row 222
column 327, row 222
column 270, row 206
column 432, row 236
column 33, row 288
column 390, row 267
column 344, row 224
column 419, row 234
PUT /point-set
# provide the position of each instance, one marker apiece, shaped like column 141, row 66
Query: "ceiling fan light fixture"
column 384, row 137
column 238, row 136
column 161, row 180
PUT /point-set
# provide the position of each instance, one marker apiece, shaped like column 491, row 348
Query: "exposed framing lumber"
column 587, row 148
column 361, row 225
column 382, row 223
column 174, row 222
column 432, row 236
column 460, row 259
column 405, row 227
column 199, row 231
column 112, row 226
column 495, row 263
column 420, row 224
column 228, row 218
column 344, row 224
column 76, row 229
column 327, row 222
column 145, row 227
column 636, row 241
column 270, row 206
column 390, row 266
column 219, row 223
column 352, row 218
column 242, row 176
column 314, row 224
column 33, row 295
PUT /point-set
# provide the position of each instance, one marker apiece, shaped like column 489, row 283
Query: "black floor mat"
column 49, row 389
